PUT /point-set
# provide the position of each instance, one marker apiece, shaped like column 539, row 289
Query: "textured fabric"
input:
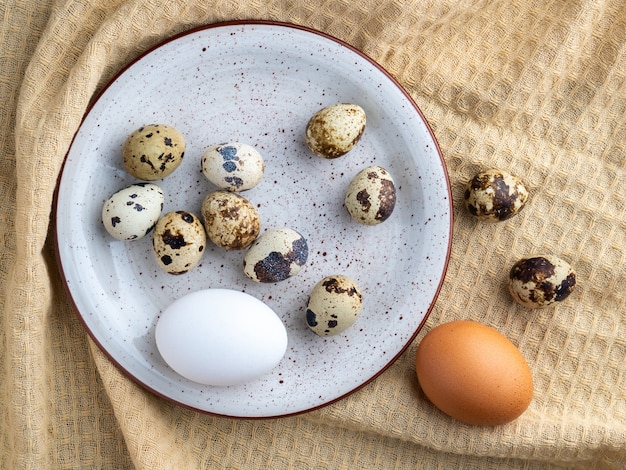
column 534, row 87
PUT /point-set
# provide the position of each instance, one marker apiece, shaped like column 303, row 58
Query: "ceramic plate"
column 259, row 83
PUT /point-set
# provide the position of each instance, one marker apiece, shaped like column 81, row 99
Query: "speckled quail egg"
column 494, row 195
column 132, row 212
column 371, row 196
column 276, row 255
column 334, row 305
column 334, row 130
column 234, row 166
column 541, row 280
column 231, row 222
column 153, row 152
column 178, row 241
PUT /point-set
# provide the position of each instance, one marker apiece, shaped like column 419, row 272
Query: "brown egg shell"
column 473, row 373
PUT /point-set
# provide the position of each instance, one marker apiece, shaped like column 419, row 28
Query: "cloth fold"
column 535, row 88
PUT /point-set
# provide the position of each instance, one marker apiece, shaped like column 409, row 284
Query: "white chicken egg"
column 132, row 212
column 220, row 337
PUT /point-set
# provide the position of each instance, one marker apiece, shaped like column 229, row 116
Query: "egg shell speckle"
column 334, row 305
column 178, row 241
column 334, row 130
column 371, row 196
column 132, row 212
column 495, row 195
column 276, row 255
column 234, row 166
column 230, row 221
column 540, row 281
column 473, row 373
column 153, row 152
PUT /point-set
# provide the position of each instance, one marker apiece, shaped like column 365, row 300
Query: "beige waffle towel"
column 534, row 87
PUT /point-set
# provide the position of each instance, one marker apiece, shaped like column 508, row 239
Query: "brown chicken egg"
column 473, row 373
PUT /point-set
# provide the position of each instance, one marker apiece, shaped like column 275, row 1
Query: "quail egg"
column 541, row 280
column 276, row 255
column 153, row 152
column 231, row 222
column 234, row 166
column 178, row 241
column 334, row 305
column 334, row 130
column 132, row 212
column 371, row 196
column 495, row 195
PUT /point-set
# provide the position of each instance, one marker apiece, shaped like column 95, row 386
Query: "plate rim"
column 249, row 22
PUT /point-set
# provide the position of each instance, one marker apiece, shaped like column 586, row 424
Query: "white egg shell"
column 276, row 255
column 371, row 196
column 334, row 130
column 178, row 241
column 132, row 212
column 153, row 152
column 220, row 337
column 334, row 305
column 234, row 166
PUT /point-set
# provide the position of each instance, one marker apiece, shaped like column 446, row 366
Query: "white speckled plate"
column 259, row 83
